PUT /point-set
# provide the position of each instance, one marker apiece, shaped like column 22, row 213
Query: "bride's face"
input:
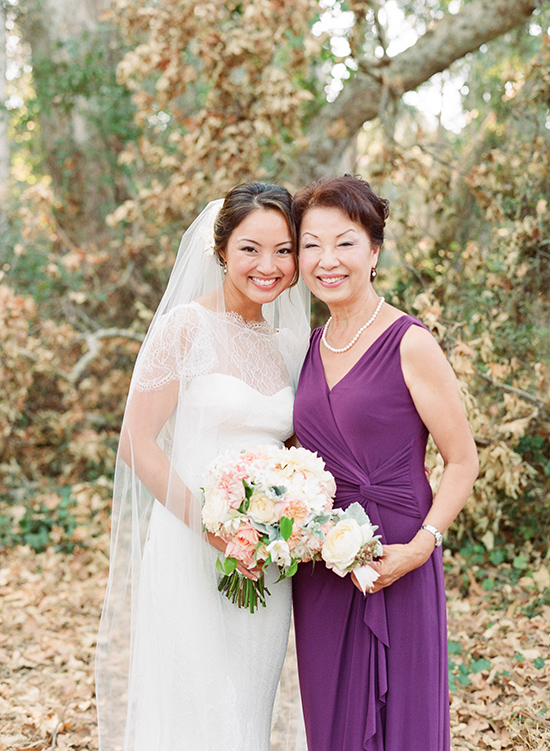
column 259, row 258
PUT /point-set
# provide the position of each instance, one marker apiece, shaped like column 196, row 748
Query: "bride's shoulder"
column 183, row 330
column 187, row 317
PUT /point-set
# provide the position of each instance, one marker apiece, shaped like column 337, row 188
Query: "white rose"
column 215, row 510
column 280, row 553
column 342, row 544
column 262, row 509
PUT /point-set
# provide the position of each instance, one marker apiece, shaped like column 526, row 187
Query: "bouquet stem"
column 244, row 592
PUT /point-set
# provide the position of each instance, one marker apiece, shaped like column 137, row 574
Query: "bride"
column 179, row 667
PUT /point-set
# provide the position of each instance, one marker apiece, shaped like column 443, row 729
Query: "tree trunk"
column 71, row 149
column 4, row 149
column 333, row 129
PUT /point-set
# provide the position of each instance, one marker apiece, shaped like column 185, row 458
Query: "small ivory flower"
column 207, row 234
column 280, row 553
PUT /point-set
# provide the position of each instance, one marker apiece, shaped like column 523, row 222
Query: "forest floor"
column 49, row 611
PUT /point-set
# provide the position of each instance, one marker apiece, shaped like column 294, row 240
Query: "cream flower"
column 207, row 234
column 215, row 510
column 262, row 509
column 342, row 544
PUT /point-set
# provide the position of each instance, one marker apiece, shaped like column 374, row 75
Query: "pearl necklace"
column 357, row 335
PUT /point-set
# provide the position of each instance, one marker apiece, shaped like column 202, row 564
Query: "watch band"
column 435, row 532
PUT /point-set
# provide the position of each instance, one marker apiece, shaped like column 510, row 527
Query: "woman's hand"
column 398, row 560
column 220, row 544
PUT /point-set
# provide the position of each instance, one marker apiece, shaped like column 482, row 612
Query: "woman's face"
column 259, row 258
column 336, row 256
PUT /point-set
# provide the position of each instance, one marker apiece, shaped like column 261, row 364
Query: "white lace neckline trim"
column 261, row 326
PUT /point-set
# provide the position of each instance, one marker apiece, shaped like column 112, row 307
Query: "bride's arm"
column 146, row 414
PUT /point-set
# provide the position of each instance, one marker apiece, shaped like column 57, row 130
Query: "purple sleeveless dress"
column 373, row 669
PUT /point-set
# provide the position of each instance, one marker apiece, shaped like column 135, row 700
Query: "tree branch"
column 333, row 128
column 93, row 340
column 513, row 390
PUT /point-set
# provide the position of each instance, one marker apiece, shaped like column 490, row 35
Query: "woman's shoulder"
column 409, row 322
column 418, row 343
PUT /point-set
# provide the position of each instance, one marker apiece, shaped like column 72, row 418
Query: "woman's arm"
column 434, row 390
column 146, row 414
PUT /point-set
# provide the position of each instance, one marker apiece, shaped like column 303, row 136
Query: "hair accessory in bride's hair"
column 207, row 234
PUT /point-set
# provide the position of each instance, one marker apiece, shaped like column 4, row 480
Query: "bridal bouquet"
column 351, row 545
column 270, row 504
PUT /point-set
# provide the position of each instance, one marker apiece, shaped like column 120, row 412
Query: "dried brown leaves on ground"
column 50, row 607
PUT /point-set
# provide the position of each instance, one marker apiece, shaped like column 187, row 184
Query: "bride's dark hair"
column 349, row 193
column 241, row 201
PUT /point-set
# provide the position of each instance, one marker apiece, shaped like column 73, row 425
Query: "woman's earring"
column 225, row 268
column 373, row 274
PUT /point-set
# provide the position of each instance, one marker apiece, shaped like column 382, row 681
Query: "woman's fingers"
column 250, row 573
column 219, row 544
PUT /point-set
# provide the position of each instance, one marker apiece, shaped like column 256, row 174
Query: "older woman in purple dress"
column 375, row 384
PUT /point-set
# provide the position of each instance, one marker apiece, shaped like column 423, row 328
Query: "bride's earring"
column 373, row 273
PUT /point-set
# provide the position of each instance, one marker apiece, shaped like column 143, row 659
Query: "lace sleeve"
column 178, row 349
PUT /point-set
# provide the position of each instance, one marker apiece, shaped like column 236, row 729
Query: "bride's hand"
column 219, row 544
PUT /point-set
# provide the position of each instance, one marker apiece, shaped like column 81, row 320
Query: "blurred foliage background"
column 123, row 119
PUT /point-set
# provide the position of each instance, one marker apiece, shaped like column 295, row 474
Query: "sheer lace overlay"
column 190, row 343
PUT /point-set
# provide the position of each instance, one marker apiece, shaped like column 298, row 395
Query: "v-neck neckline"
column 330, row 389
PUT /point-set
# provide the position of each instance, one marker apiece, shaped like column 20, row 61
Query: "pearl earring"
column 373, row 274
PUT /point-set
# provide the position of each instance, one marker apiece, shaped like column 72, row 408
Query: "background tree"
column 142, row 114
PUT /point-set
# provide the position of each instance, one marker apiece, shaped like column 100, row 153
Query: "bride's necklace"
column 357, row 335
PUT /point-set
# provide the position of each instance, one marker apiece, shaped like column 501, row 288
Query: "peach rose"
column 243, row 545
column 248, row 537
column 232, row 550
column 296, row 509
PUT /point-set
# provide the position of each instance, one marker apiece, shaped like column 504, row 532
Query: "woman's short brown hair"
column 352, row 195
column 241, row 201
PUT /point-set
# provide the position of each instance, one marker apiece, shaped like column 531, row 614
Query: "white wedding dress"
column 204, row 673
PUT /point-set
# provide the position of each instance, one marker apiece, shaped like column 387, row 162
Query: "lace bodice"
column 193, row 341
column 235, row 387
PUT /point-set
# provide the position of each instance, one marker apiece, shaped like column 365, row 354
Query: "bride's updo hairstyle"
column 241, row 201
column 352, row 195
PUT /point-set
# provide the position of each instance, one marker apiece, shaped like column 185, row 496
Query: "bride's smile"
column 260, row 262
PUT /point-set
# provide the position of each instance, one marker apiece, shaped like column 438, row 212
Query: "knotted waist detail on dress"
column 389, row 485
